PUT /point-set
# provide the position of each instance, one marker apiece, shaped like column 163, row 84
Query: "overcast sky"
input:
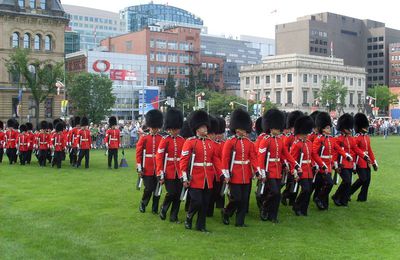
column 258, row 17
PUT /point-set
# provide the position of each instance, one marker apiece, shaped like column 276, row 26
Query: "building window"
column 305, row 98
column 48, row 108
column 359, row 82
column 160, row 81
column 278, row 97
column 15, row 40
column 37, row 42
column 289, row 78
column 47, row 43
column 315, row 79
column 289, row 97
column 315, row 93
column 32, row 4
column 351, row 99
column 305, row 78
column 257, row 80
column 21, row 3
column 128, row 45
column 351, row 81
column 268, row 79
column 359, row 98
column 27, row 41
column 278, row 78
column 247, row 80
column 43, row 4
column 267, row 96
column 152, row 43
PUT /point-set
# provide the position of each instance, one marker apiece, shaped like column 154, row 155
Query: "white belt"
column 173, row 159
column 306, row 161
column 23, row 144
column 42, row 142
column 203, row 164
column 274, row 159
column 113, row 139
column 58, row 144
column 326, row 156
column 11, row 140
column 149, row 155
column 84, row 140
column 241, row 162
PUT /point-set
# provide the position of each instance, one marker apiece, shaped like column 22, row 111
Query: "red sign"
column 101, row 65
column 122, row 75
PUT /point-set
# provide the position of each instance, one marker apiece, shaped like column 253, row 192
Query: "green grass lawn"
column 93, row 214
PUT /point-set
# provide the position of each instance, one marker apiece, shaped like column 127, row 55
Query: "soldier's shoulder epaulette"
column 357, row 135
column 319, row 136
column 231, row 137
column 165, row 136
column 296, row 141
column 191, row 138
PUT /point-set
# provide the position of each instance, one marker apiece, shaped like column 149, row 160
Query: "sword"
column 296, row 184
column 185, row 190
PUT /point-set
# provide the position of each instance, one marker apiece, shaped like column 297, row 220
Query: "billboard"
column 122, row 75
column 150, row 99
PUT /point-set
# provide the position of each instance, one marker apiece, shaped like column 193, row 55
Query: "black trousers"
column 238, row 202
column 83, row 153
column 287, row 193
column 11, row 154
column 216, row 200
column 29, row 157
column 317, row 185
column 73, row 156
column 363, row 181
column 23, row 157
column 326, row 184
column 150, row 184
column 272, row 198
column 199, row 199
column 113, row 153
column 1, row 154
column 42, row 156
column 57, row 159
column 303, row 200
column 174, row 188
column 343, row 192
column 49, row 157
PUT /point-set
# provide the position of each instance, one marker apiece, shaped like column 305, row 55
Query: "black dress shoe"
column 225, row 218
column 319, row 204
column 188, row 223
column 274, row 220
column 298, row 212
column 203, row 230
column 162, row 215
column 142, row 207
column 264, row 216
column 284, row 201
column 241, row 225
column 336, row 201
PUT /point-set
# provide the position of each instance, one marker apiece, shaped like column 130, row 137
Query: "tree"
column 332, row 94
column 170, row 86
column 91, row 95
column 383, row 96
column 38, row 76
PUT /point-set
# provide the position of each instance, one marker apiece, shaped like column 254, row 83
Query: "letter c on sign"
column 101, row 66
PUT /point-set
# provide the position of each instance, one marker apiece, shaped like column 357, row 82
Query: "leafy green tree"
column 331, row 92
column 170, row 89
column 38, row 76
column 383, row 96
column 91, row 95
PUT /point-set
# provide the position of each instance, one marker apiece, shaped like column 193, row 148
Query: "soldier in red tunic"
column 167, row 161
column 31, row 140
column 198, row 164
column 23, row 144
column 112, row 141
column 239, row 162
column 42, row 143
column 58, row 143
column 2, row 141
column 73, row 140
column 84, row 143
column 146, row 151
column 311, row 137
column 186, row 133
column 361, row 125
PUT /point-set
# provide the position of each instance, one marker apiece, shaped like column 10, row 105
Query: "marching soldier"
column 239, row 162
column 50, row 132
column 271, row 155
column 112, row 141
column 58, row 143
column 326, row 148
column 73, row 140
column 302, row 151
column 311, row 137
column 31, row 140
column 23, row 144
column 198, row 164
column 146, row 150
column 361, row 125
column 11, row 137
column 2, row 141
column 186, row 133
column 167, row 161
column 42, row 143
column 84, row 143
column 346, row 141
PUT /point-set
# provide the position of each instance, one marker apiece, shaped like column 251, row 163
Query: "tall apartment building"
column 363, row 43
column 93, row 25
column 72, row 41
column 266, row 45
column 394, row 65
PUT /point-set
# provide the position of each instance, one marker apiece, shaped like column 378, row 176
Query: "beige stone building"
column 293, row 81
column 37, row 25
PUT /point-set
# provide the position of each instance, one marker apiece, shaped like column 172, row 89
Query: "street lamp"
column 197, row 98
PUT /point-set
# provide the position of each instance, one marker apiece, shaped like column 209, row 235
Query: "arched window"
column 47, row 43
column 27, row 41
column 37, row 42
column 32, row 4
column 21, row 3
column 15, row 40
column 43, row 4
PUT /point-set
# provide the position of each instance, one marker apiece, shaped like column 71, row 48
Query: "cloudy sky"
column 258, row 17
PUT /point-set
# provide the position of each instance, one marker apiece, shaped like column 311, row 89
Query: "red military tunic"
column 288, row 140
column 31, row 140
column 258, row 140
column 326, row 148
column 169, row 149
column 149, row 143
column 74, row 137
column 244, row 163
column 58, row 142
column 2, row 139
column 278, row 154
column 311, row 137
column 349, row 146
column 364, row 144
column 11, row 137
column 219, row 145
column 308, row 160
column 113, row 138
column 85, row 141
column 43, row 141
column 23, row 142
column 206, row 162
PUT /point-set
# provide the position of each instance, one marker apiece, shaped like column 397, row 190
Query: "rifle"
column 225, row 186
column 140, row 179
column 192, row 158
column 321, row 153
column 158, row 190
column 296, row 184
column 261, row 185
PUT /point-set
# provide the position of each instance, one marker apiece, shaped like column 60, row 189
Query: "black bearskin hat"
column 77, row 120
column 112, row 121
column 213, row 125
column 22, row 128
column 16, row 125
column 221, row 125
column 303, row 125
column 186, row 132
column 154, row 118
column 323, row 120
column 173, row 119
column 240, row 119
column 50, row 125
column 56, row 121
column 1, row 125
column 314, row 116
column 84, row 121
column 345, row 121
column 292, row 117
column 29, row 126
column 197, row 119
column 360, row 122
column 59, row 126
column 258, row 124
column 72, row 122
column 273, row 119
column 43, row 125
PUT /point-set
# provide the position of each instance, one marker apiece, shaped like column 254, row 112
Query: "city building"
column 293, row 81
column 140, row 17
column 362, row 43
column 72, row 41
column 235, row 53
column 38, row 26
column 266, row 45
column 212, row 70
column 174, row 50
column 394, row 65
column 93, row 25
column 128, row 73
